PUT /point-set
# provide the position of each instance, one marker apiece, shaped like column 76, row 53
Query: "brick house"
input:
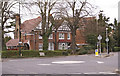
column 31, row 39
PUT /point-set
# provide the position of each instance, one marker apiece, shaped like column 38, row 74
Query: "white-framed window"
column 40, row 37
column 63, row 46
column 51, row 36
column 68, row 36
column 61, row 35
column 40, row 46
column 51, row 46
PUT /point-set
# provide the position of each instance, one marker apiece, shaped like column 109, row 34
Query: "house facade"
column 61, row 40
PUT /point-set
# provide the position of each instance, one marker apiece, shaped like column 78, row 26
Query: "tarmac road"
column 81, row 64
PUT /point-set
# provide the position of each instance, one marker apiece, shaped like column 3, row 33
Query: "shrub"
column 55, row 53
column 116, row 49
column 82, row 51
column 29, row 53
column 89, row 47
column 15, row 53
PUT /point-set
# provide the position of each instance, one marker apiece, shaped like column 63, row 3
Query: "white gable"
column 64, row 27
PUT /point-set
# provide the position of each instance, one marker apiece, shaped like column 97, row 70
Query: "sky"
column 110, row 8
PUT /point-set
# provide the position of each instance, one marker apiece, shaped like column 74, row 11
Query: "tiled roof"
column 12, row 42
column 29, row 25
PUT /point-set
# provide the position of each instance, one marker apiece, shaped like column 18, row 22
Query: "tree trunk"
column 45, row 42
column 73, row 42
column 55, row 39
column 2, row 23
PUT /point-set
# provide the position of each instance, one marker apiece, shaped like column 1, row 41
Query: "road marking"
column 99, row 62
column 75, row 73
column 68, row 62
column 43, row 64
column 33, row 73
column 12, row 60
column 91, row 73
column 106, row 73
column 20, row 70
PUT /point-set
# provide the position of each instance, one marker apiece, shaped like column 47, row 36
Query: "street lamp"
column 100, row 38
column 107, row 40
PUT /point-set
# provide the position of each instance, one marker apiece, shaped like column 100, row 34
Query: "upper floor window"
column 68, row 36
column 51, row 36
column 61, row 35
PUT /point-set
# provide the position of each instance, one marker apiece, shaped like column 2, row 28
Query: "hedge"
column 29, row 53
column 15, row 54
column 55, row 53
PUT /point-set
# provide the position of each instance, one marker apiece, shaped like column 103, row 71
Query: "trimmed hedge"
column 29, row 53
column 55, row 53
column 15, row 54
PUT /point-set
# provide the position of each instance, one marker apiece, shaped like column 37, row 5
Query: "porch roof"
column 64, row 41
column 12, row 42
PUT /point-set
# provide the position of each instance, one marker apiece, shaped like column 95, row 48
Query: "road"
column 81, row 64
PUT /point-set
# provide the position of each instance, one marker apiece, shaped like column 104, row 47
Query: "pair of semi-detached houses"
column 32, row 40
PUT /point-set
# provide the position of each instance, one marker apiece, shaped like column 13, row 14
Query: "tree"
column 6, row 14
column 102, row 21
column 7, row 38
column 77, row 11
column 45, row 8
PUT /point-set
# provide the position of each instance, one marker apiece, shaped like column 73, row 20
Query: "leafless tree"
column 7, row 13
column 73, row 12
column 45, row 11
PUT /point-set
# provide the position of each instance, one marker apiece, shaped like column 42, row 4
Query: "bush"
column 89, row 47
column 116, row 49
column 9, row 54
column 15, row 53
column 29, row 53
column 55, row 53
column 82, row 51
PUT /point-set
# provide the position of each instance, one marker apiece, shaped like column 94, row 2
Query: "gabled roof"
column 12, row 42
column 29, row 25
column 64, row 27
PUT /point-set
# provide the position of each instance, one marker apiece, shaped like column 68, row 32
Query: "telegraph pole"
column 0, row 26
column 107, row 40
column 19, row 32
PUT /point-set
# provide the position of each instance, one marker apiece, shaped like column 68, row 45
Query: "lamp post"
column 107, row 40
column 100, row 38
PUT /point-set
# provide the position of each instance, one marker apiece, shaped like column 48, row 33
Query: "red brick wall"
column 79, row 39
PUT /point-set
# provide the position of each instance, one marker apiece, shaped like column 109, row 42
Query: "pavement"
column 80, row 64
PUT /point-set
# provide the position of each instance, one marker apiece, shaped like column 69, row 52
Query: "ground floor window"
column 51, row 46
column 40, row 46
column 63, row 46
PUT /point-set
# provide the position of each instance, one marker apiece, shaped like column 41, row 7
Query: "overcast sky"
column 110, row 7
